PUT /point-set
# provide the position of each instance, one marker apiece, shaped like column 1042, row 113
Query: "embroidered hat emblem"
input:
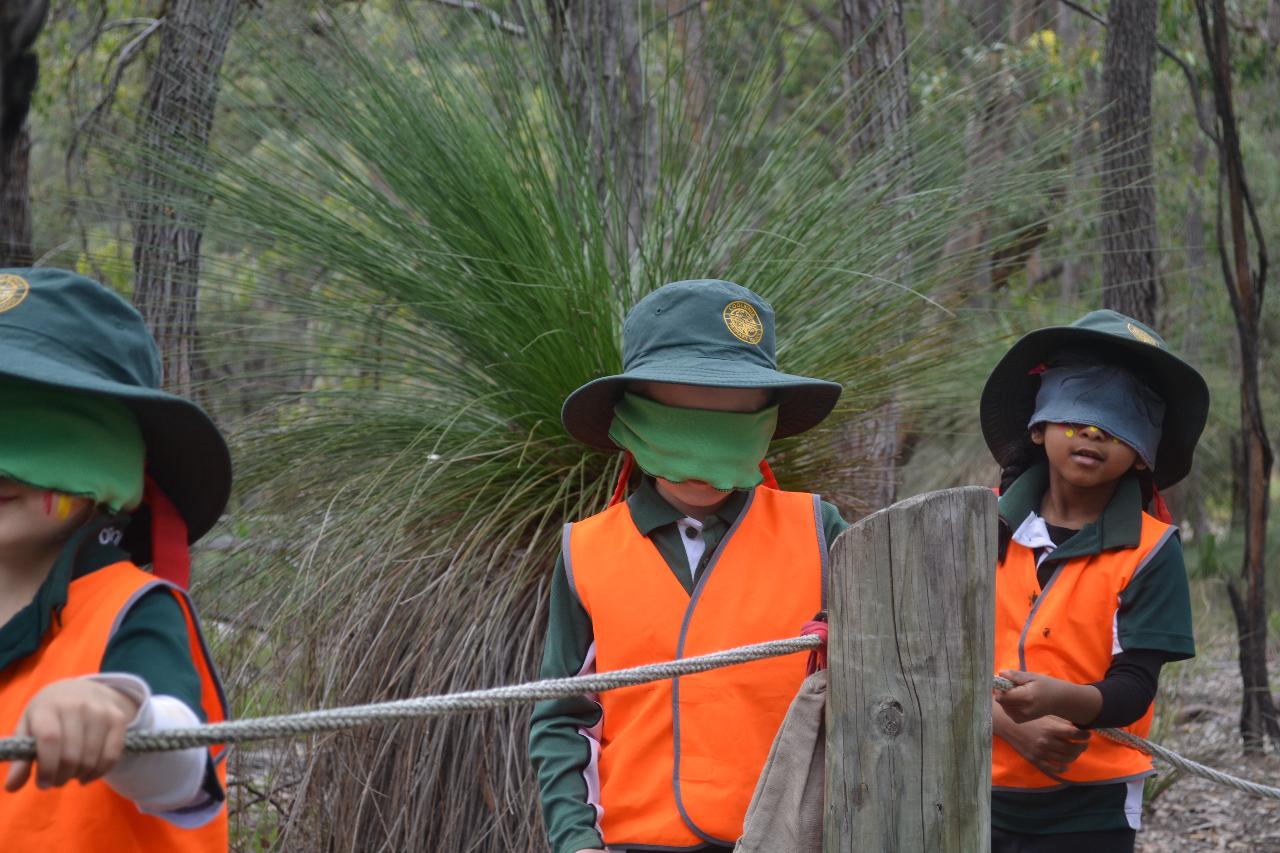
column 1142, row 335
column 743, row 322
column 13, row 289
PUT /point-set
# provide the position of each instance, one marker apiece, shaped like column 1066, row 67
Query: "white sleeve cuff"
column 166, row 784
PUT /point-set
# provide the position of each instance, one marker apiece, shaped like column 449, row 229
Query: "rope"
column 336, row 719
column 1170, row 757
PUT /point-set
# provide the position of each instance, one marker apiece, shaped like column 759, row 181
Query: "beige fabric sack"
column 786, row 809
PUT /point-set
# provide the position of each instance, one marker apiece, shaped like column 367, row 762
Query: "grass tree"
column 438, row 227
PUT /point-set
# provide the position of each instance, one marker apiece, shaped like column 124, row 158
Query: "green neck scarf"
column 723, row 449
column 72, row 442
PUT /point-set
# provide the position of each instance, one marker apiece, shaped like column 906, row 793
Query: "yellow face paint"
column 64, row 506
column 1071, row 433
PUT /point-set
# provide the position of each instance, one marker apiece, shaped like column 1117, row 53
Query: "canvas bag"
column 786, row 809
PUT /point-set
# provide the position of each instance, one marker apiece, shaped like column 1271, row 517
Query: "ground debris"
column 1194, row 815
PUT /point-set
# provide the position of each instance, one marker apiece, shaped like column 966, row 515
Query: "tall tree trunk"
column 168, row 214
column 1129, row 270
column 596, row 47
column 15, row 203
column 20, row 24
column 877, row 77
column 1246, row 283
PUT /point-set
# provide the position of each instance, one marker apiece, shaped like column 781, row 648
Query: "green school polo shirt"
column 151, row 641
column 1154, row 613
column 558, row 752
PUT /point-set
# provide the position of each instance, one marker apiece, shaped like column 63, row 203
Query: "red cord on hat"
column 817, row 657
column 620, row 491
column 170, row 557
column 1159, row 508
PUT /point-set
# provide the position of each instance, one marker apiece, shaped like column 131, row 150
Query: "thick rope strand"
column 337, row 719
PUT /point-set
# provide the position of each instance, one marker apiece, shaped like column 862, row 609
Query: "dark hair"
column 1027, row 455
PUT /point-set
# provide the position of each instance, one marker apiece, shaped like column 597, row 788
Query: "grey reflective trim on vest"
column 567, row 556
column 1153, row 552
column 204, row 648
column 1119, row 780
column 822, row 549
column 675, row 682
column 1022, row 639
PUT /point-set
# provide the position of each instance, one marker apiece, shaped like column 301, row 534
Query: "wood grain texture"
column 911, row 603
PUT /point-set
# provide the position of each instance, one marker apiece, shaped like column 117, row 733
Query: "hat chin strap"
column 170, row 556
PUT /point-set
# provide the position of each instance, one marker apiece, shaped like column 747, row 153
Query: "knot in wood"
column 889, row 717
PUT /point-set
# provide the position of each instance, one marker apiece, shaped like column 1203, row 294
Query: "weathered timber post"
column 911, row 609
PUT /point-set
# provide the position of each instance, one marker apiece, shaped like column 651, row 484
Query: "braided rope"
column 336, row 719
column 1168, row 756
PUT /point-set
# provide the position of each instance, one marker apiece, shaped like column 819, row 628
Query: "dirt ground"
column 1199, row 718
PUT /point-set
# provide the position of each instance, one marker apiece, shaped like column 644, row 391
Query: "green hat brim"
column 802, row 402
column 186, row 454
column 1008, row 399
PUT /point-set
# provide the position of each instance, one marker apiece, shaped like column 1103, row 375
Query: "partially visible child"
column 700, row 558
column 1088, row 422
column 101, row 471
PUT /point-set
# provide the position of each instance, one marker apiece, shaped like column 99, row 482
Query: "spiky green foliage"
column 460, row 258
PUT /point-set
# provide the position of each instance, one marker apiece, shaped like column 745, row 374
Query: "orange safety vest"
column 94, row 817
column 679, row 759
column 1067, row 630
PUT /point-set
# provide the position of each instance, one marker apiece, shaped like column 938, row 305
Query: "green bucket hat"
column 702, row 332
column 62, row 329
column 1008, row 400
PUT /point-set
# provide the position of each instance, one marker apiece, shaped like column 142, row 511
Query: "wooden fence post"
column 911, row 608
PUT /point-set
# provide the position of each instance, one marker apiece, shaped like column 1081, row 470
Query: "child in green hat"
column 706, row 554
column 1088, row 421
column 100, row 472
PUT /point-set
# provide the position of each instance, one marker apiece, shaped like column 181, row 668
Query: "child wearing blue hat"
column 1088, row 421
column 706, row 554
column 100, row 472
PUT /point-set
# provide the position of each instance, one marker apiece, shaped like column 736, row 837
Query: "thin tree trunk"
column 1246, row 283
column 20, row 23
column 169, row 214
column 596, row 48
column 1129, row 269
column 15, row 203
column 878, row 79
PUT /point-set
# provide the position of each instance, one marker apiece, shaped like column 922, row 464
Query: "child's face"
column 34, row 520
column 1085, row 456
column 696, row 493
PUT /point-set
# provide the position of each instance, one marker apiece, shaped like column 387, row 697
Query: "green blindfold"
column 71, row 442
column 723, row 449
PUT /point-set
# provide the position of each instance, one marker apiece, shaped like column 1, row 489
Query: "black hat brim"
column 186, row 454
column 1008, row 399
column 802, row 402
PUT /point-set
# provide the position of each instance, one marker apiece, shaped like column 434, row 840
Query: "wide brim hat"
column 65, row 330
column 701, row 332
column 1008, row 399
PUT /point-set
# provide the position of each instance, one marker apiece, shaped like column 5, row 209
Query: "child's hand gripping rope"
column 79, row 727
